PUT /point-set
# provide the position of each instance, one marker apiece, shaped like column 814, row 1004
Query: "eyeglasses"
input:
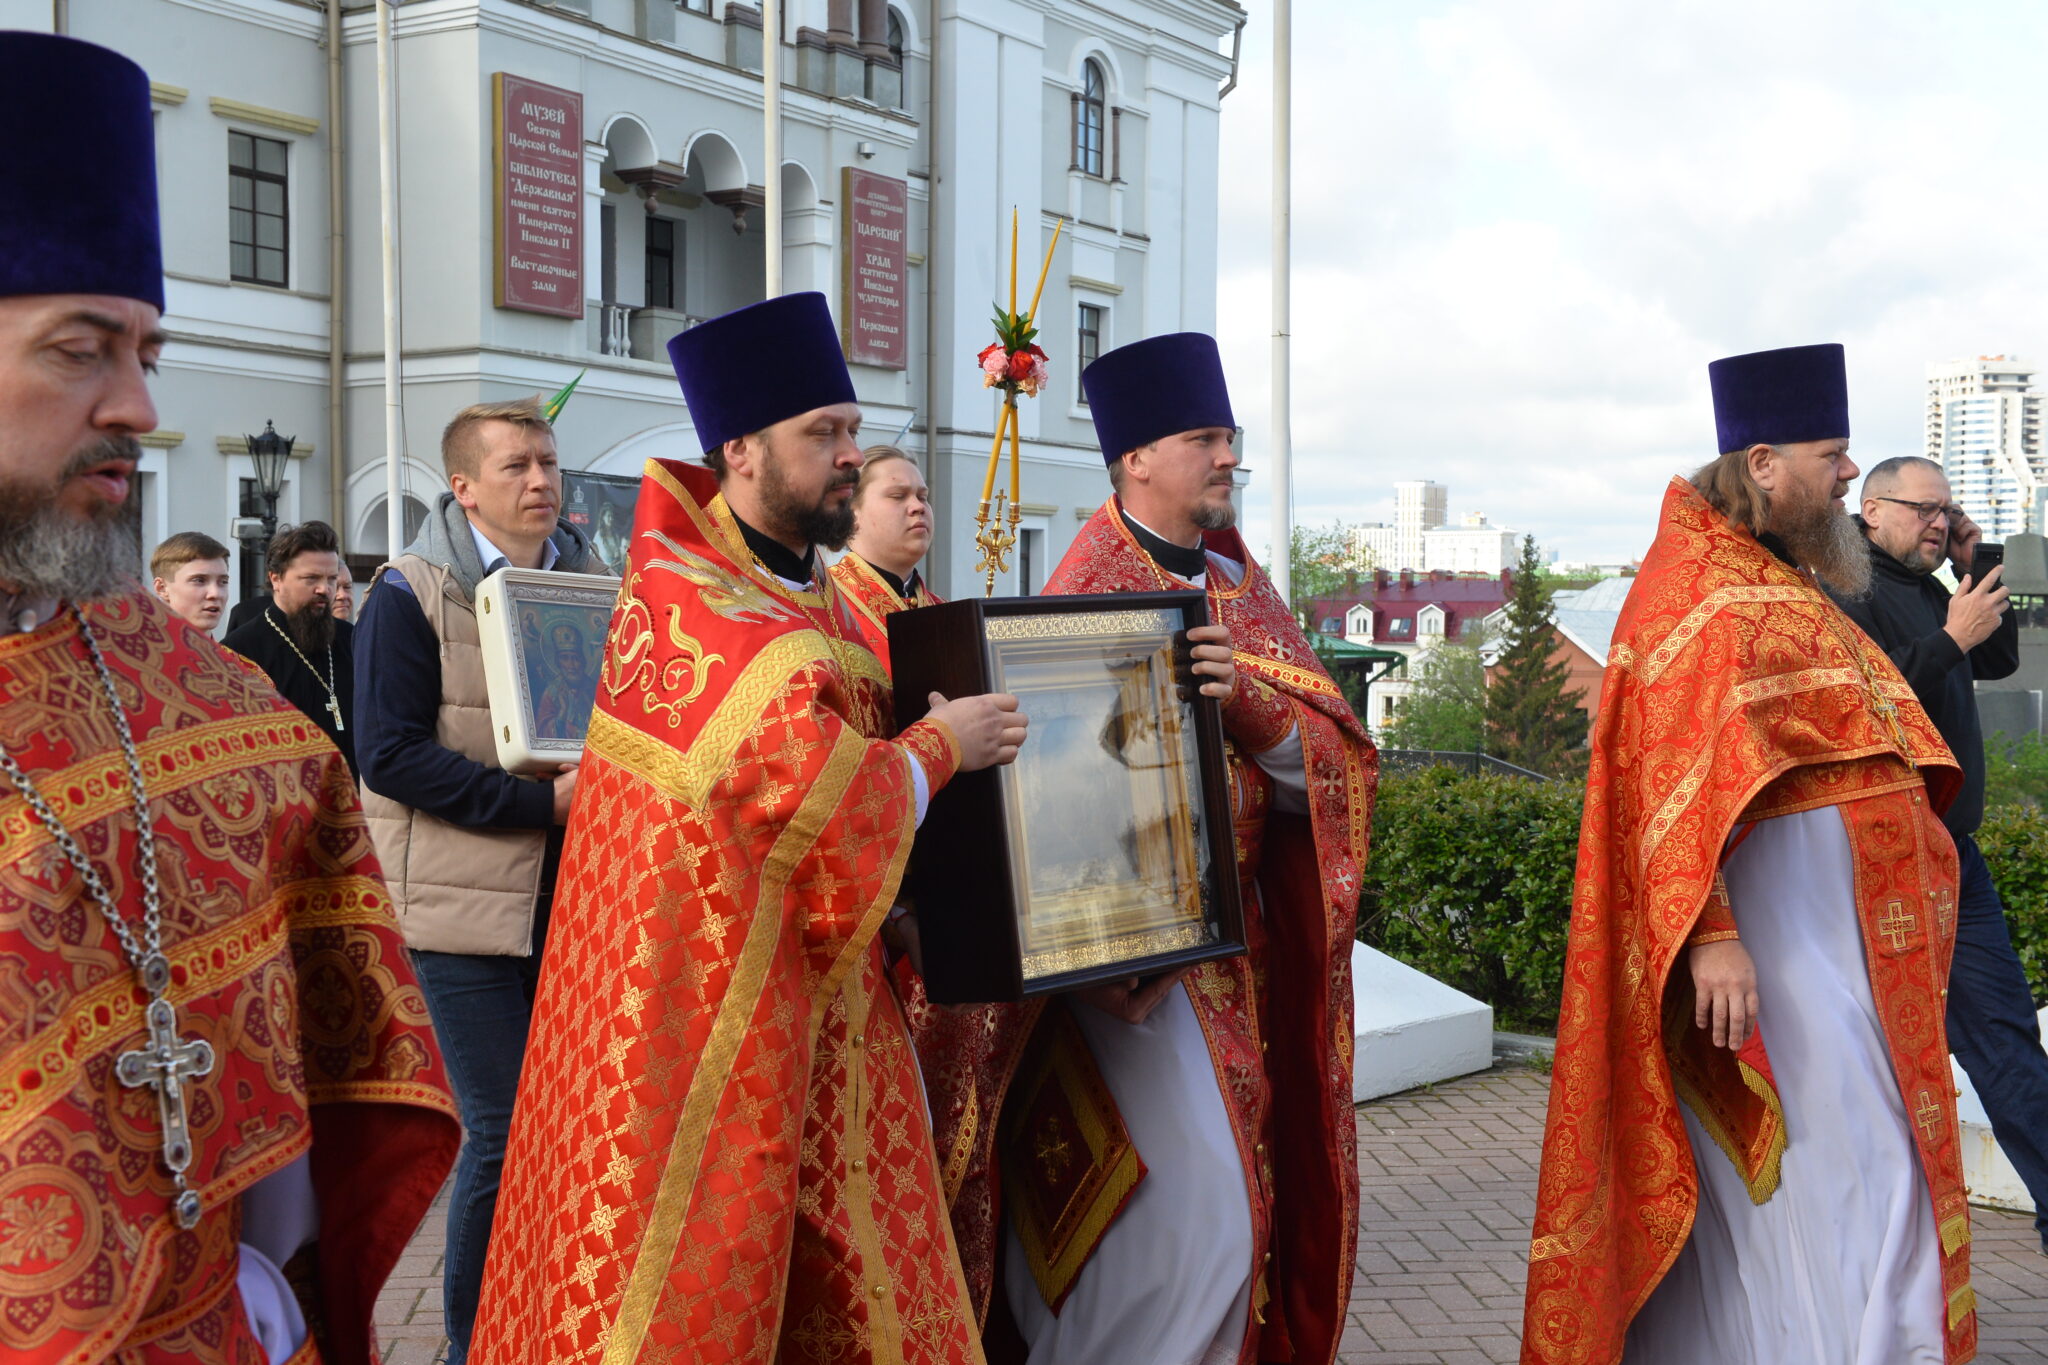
column 1928, row 511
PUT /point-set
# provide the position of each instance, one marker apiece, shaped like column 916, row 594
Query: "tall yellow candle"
column 1045, row 269
column 995, row 456
column 1015, row 428
column 1013, row 262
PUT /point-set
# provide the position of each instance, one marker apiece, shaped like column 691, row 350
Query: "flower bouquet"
column 1015, row 364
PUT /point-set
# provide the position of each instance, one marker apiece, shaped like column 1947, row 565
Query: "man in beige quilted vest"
column 468, row 848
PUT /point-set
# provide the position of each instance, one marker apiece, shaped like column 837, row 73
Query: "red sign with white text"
column 539, row 159
column 874, row 270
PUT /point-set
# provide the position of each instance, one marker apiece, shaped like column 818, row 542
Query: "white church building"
column 580, row 180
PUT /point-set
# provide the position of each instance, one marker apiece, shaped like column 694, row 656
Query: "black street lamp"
column 270, row 453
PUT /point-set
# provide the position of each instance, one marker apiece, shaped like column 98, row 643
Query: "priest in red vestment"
column 1752, row 1151
column 1232, row 1080
column 222, row 1113
column 721, row 1150
column 892, row 529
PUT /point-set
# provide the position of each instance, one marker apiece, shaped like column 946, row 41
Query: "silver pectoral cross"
column 164, row 1065
column 334, row 709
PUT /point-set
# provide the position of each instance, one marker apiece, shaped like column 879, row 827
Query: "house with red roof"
column 1410, row 613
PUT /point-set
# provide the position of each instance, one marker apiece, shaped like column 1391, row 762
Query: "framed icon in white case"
column 543, row 640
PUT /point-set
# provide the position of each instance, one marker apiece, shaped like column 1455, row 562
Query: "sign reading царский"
column 537, row 150
column 874, row 270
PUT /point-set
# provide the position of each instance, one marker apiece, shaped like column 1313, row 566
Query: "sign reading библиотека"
column 874, row 270
column 537, row 151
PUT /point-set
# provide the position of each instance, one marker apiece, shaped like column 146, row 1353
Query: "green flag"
column 553, row 407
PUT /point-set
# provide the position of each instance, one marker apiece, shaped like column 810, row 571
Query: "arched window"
column 896, row 56
column 1089, row 119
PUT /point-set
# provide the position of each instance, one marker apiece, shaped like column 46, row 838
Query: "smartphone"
column 1987, row 558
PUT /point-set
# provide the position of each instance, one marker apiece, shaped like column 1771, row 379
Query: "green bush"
column 2015, row 771
column 1470, row 880
column 2015, row 844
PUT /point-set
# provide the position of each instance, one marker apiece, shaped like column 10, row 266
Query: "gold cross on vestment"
column 1945, row 913
column 1928, row 1115
column 164, row 1064
column 1053, row 1151
column 1897, row 925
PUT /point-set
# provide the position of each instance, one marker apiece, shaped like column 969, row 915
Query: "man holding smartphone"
column 1943, row 643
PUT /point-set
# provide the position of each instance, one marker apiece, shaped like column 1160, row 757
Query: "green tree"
column 1531, row 720
column 1447, row 709
column 1322, row 562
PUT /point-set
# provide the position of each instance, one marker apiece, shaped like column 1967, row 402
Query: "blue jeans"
column 1993, row 1031
column 482, row 1007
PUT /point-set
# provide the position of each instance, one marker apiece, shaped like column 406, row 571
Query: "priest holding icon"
column 720, row 1150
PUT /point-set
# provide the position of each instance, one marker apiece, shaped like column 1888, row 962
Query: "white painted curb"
column 1411, row 1029
column 1987, row 1173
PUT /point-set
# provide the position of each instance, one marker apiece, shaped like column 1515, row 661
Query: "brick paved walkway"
column 1447, row 1191
column 1448, row 1179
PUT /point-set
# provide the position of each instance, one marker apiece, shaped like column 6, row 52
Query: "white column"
column 771, row 158
column 594, row 154
column 1282, row 493
column 387, row 176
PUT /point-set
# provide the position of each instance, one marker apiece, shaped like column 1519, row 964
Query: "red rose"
column 982, row 356
column 1020, row 364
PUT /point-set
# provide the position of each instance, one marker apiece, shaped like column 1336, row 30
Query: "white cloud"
column 1522, row 231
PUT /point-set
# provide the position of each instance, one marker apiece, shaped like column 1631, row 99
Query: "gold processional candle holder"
column 1015, row 337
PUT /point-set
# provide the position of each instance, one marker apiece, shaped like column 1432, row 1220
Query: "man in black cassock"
column 295, row 638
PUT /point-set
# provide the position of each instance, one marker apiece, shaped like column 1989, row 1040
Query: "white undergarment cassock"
column 1842, row 1265
column 279, row 1215
column 1171, row 1281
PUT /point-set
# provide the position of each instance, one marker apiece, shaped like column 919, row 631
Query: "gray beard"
column 1215, row 516
column 1833, row 546
column 46, row 551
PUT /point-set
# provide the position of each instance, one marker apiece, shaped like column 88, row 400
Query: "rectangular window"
column 608, row 253
column 253, row 582
column 1030, row 560
column 661, row 263
column 1087, row 344
column 258, row 221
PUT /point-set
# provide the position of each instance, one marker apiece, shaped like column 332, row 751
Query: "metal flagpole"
column 771, row 171
column 1280, row 566
column 387, row 191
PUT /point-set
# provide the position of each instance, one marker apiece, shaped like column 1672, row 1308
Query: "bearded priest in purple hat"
column 721, row 1149
column 1231, row 1080
column 222, row 1113
column 1752, row 1151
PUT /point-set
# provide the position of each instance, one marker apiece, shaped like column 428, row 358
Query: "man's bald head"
column 1885, row 477
column 1907, row 512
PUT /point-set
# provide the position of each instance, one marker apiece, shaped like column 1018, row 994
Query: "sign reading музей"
column 874, row 270
column 537, row 147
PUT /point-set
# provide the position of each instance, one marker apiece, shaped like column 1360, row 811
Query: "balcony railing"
column 615, row 323
column 625, row 329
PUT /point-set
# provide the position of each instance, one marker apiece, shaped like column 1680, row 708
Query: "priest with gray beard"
column 296, row 640
column 223, row 1111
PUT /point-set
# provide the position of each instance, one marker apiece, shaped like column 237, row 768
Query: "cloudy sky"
column 1521, row 231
